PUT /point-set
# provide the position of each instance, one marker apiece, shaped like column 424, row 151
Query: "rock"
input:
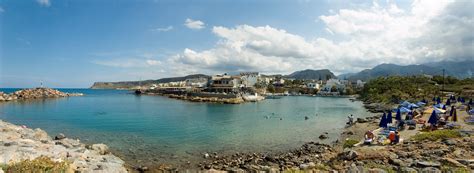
column 376, row 170
column 361, row 120
column 397, row 162
column 304, row 166
column 206, row 155
column 100, row 148
column 466, row 161
column 428, row 164
column 323, row 136
column 311, row 164
column 7, row 144
column 408, row 170
column 449, row 142
column 59, row 136
column 454, row 162
column 350, row 155
column 430, row 170
column 40, row 135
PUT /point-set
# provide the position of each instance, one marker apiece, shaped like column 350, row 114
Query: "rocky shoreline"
column 448, row 155
column 20, row 143
column 35, row 93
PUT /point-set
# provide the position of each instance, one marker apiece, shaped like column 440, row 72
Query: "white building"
column 313, row 85
column 249, row 79
column 334, row 82
column 199, row 82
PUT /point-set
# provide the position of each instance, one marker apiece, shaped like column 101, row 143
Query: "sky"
column 73, row 43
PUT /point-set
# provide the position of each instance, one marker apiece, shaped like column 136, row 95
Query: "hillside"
column 323, row 74
column 456, row 69
column 132, row 84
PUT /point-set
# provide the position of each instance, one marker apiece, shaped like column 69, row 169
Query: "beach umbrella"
column 383, row 121
column 398, row 116
column 459, row 99
column 424, row 100
column 438, row 100
column 433, row 118
column 448, row 102
column 444, row 107
column 434, row 99
column 389, row 117
column 462, row 100
column 455, row 115
column 470, row 101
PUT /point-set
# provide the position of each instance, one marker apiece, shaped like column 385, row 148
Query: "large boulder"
column 100, row 148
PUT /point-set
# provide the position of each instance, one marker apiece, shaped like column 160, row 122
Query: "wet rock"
column 59, row 136
column 323, row 136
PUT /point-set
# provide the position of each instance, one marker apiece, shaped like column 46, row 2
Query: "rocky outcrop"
column 35, row 93
column 20, row 143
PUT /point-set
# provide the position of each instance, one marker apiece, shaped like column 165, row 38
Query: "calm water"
column 159, row 129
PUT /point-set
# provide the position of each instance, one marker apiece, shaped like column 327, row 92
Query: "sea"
column 144, row 129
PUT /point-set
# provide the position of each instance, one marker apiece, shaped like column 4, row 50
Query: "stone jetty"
column 35, row 93
column 19, row 144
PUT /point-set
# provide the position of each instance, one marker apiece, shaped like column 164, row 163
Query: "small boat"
column 138, row 92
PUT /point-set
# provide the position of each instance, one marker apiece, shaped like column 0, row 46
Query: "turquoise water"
column 159, row 129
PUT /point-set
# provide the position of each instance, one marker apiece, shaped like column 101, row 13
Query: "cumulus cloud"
column 427, row 31
column 194, row 24
column 165, row 29
column 45, row 3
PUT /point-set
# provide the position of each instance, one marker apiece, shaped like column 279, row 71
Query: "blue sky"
column 73, row 43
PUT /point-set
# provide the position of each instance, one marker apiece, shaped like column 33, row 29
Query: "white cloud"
column 45, row 3
column 168, row 28
column 427, row 31
column 194, row 24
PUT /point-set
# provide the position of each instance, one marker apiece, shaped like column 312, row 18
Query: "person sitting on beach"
column 394, row 137
column 369, row 137
column 391, row 136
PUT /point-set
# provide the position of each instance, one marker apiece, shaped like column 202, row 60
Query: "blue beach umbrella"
column 438, row 100
column 398, row 116
column 383, row 121
column 434, row 99
column 448, row 102
column 462, row 100
column 389, row 117
column 433, row 118
column 444, row 107
column 470, row 101
column 459, row 99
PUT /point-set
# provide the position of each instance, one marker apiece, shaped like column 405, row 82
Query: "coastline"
column 20, row 143
column 309, row 156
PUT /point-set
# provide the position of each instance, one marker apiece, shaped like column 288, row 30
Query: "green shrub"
column 38, row 165
column 436, row 135
column 349, row 143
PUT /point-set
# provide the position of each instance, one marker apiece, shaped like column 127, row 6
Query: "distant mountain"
column 323, row 74
column 345, row 75
column 134, row 84
column 463, row 69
